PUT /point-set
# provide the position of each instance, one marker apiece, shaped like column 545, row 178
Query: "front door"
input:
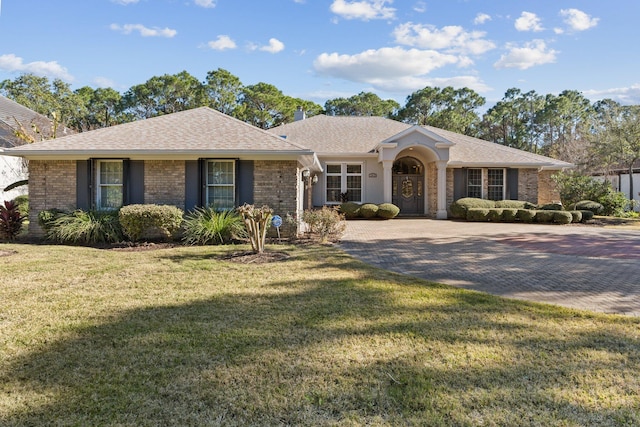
column 408, row 186
column 408, row 194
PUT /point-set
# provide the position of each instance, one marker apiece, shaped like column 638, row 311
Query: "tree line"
column 594, row 136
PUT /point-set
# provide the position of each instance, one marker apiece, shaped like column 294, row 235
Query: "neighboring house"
column 203, row 157
column 619, row 179
column 15, row 118
column 421, row 169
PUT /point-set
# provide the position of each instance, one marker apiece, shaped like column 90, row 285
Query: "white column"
column 387, row 166
column 442, row 190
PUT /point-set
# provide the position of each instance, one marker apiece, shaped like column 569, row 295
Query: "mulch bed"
column 248, row 257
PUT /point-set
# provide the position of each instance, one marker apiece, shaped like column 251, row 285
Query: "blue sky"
column 323, row 49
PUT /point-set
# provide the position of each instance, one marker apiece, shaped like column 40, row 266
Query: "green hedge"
column 459, row 208
column 588, row 205
column 526, row 215
column 576, row 216
column 478, row 214
column 562, row 217
column 495, row 215
column 368, row 210
column 509, row 214
column 150, row 221
column 352, row 210
column 388, row 211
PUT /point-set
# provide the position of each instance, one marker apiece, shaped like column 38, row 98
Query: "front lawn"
column 183, row 336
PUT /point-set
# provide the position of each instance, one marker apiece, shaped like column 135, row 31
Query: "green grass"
column 181, row 337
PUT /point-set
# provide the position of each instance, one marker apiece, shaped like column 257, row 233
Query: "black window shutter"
column 192, row 185
column 512, row 184
column 133, row 175
column 84, row 184
column 459, row 183
column 244, row 182
column 202, row 187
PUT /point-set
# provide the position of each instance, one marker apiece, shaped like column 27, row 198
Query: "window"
column 474, row 183
column 221, row 184
column 109, row 184
column 343, row 178
column 495, row 187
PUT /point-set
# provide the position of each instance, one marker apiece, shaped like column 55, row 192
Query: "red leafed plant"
column 10, row 220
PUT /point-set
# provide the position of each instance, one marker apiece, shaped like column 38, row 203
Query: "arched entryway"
column 407, row 188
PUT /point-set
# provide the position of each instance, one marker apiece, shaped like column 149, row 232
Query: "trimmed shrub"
column 526, row 215
column 576, row 216
column 478, row 214
column 551, row 207
column 562, row 217
column 350, row 210
column 586, row 215
column 509, row 215
column 589, row 205
column 368, row 210
column 326, row 223
column 458, row 209
column 544, row 216
column 84, row 228
column 511, row 204
column 150, row 221
column 205, row 226
column 388, row 211
column 494, row 215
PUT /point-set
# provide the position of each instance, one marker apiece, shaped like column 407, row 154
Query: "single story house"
column 202, row 157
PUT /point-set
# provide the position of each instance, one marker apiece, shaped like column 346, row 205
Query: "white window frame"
column 343, row 179
column 210, row 186
column 503, row 185
column 481, row 181
column 100, row 185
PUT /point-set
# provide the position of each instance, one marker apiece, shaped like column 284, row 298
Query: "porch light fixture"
column 306, row 173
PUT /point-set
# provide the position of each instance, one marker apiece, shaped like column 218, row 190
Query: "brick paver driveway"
column 577, row 266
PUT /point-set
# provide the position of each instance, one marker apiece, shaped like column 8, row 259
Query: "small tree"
column 257, row 222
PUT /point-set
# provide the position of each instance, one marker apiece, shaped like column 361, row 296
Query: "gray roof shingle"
column 341, row 135
column 12, row 114
column 200, row 130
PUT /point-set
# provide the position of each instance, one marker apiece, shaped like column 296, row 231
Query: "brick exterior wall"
column 164, row 182
column 547, row 189
column 528, row 185
column 276, row 184
column 449, row 187
column 432, row 189
column 52, row 185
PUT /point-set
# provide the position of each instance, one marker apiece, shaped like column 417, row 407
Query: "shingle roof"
column 201, row 130
column 341, row 135
column 10, row 112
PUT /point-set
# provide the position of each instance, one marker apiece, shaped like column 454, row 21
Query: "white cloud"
column 481, row 18
column 577, row 20
column 223, row 42
column 410, row 84
column 12, row 63
column 144, row 31
column 624, row 95
column 125, row 2
column 274, row 46
column 420, row 7
column 364, row 9
column 528, row 22
column 531, row 54
column 384, row 67
column 206, row 3
column 104, row 82
column 451, row 38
